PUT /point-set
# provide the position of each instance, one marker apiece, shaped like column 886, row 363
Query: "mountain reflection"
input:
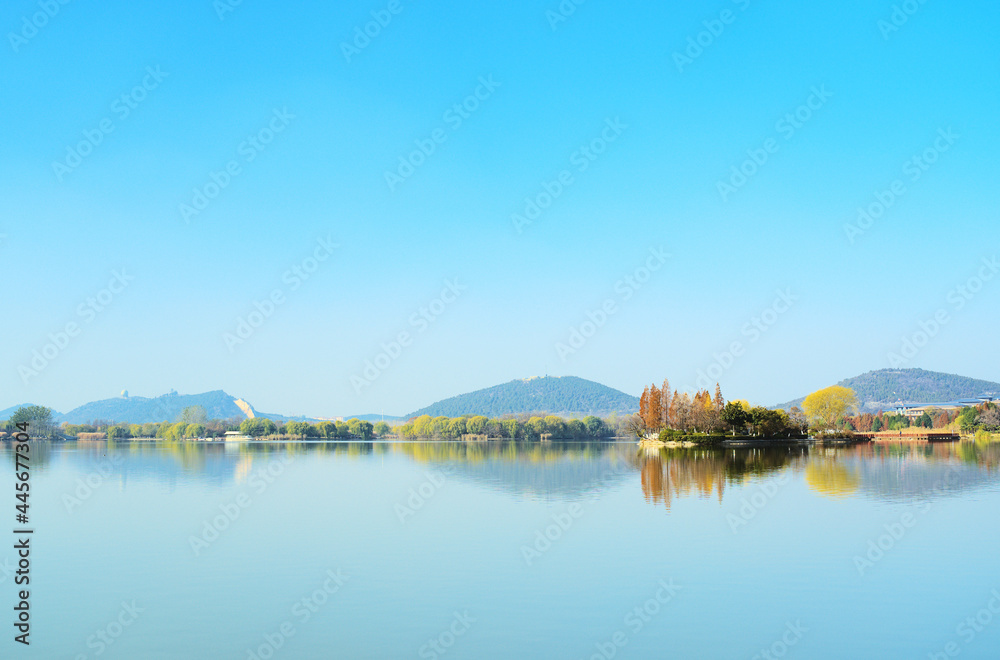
column 563, row 470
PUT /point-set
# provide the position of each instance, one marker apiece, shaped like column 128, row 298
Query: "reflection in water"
column 565, row 470
column 827, row 476
column 909, row 471
column 881, row 471
column 672, row 473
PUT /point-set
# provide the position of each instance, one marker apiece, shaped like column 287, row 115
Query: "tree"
column 477, row 425
column 877, row 424
column 594, row 426
column 670, row 412
column 456, row 427
column 194, row 431
column 665, row 400
column 990, row 418
column 925, row 421
column 769, row 423
column 634, row 425
column 896, row 422
column 576, row 429
column 382, row 429
column 735, row 416
column 38, row 419
column 534, row 427
column 257, row 427
column 296, row 428
column 423, row 426
column 718, row 401
column 440, row 425
column 644, row 405
column 824, row 407
column 175, row 431
column 118, row 432
column 654, row 409
column 360, row 428
column 705, row 413
column 556, row 426
column 193, row 415
column 684, row 412
column 967, row 419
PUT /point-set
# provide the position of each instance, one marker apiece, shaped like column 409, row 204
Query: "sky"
column 344, row 208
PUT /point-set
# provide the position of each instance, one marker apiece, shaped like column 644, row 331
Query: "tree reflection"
column 667, row 474
column 828, row 477
column 570, row 469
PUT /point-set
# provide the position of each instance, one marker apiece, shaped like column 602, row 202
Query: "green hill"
column 881, row 390
column 566, row 395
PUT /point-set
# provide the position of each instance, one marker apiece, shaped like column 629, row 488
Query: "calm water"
column 443, row 550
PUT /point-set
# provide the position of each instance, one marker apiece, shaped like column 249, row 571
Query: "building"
column 913, row 411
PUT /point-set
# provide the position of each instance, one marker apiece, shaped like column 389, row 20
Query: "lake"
column 507, row 550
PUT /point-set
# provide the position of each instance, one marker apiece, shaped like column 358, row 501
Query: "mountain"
column 883, row 389
column 5, row 414
column 140, row 410
column 374, row 417
column 567, row 395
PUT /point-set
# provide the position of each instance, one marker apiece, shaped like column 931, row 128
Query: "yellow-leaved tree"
column 824, row 407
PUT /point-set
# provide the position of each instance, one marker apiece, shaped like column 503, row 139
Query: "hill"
column 5, row 414
column 566, row 395
column 883, row 389
column 140, row 410
column 373, row 417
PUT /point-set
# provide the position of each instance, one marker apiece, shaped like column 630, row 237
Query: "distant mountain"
column 141, row 410
column 566, row 395
column 883, row 389
column 376, row 417
column 5, row 414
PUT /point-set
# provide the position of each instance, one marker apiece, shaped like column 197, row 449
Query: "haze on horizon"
column 651, row 234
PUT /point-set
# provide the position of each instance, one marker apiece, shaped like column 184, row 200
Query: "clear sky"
column 114, row 114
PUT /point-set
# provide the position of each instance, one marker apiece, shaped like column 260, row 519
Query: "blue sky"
column 334, row 127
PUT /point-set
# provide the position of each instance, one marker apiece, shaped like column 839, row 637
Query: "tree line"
column 521, row 427
column 192, row 423
column 672, row 413
column 984, row 418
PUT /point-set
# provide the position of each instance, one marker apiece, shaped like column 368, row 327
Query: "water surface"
column 507, row 550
